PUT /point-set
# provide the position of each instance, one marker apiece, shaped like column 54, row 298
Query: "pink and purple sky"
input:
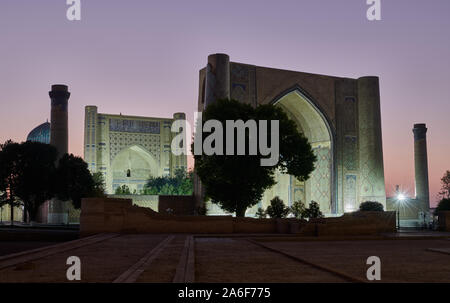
column 141, row 57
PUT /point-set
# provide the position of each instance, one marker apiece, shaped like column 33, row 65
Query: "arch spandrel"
column 274, row 83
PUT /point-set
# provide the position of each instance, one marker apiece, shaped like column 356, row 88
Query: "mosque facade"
column 128, row 150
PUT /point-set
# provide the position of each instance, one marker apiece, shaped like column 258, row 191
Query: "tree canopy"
column 29, row 176
column 371, row 206
column 74, row 181
column 237, row 182
column 277, row 208
column 179, row 184
column 443, row 205
column 445, row 185
column 27, row 173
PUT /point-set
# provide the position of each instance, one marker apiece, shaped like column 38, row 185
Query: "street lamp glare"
column 401, row 197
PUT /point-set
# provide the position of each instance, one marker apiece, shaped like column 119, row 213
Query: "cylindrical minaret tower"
column 179, row 159
column 217, row 78
column 59, row 129
column 90, row 137
column 421, row 165
column 371, row 178
column 59, row 138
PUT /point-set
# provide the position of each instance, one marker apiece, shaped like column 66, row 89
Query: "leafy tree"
column 371, row 206
column 180, row 184
column 277, row 209
column 99, row 185
column 444, row 205
column 27, row 174
column 8, row 152
column 74, row 181
column 313, row 211
column 298, row 209
column 237, row 182
column 123, row 190
column 445, row 185
column 261, row 213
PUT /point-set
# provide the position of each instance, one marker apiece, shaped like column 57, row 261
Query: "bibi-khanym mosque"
column 340, row 117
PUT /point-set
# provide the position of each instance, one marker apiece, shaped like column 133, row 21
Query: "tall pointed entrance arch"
column 313, row 123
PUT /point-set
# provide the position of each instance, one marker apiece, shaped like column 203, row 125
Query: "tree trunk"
column 25, row 214
column 11, row 203
column 33, row 211
column 240, row 211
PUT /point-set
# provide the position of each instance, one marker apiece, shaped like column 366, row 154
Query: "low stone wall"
column 180, row 205
column 444, row 220
column 119, row 215
column 357, row 223
column 147, row 201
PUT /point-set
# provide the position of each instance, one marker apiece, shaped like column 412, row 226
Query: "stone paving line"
column 42, row 252
column 133, row 273
column 401, row 261
column 317, row 266
column 185, row 272
column 440, row 250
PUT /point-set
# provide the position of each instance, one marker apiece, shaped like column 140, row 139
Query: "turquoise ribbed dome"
column 40, row 133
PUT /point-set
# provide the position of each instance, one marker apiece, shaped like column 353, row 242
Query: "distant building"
column 340, row 117
column 40, row 133
column 127, row 150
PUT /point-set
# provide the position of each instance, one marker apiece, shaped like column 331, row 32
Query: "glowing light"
column 348, row 208
column 401, row 197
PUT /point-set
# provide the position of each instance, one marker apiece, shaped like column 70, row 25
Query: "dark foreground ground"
column 405, row 257
column 21, row 238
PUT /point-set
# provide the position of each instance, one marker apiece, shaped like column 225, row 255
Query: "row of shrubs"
column 277, row 209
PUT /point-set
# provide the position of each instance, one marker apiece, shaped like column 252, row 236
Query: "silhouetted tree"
column 313, row 211
column 74, row 181
column 27, row 174
column 298, row 209
column 261, row 213
column 99, row 184
column 277, row 208
column 236, row 182
column 8, row 174
column 371, row 206
column 443, row 205
column 445, row 185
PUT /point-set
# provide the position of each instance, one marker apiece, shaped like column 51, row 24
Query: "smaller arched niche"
column 132, row 167
column 313, row 124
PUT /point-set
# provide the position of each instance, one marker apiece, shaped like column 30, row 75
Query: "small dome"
column 40, row 133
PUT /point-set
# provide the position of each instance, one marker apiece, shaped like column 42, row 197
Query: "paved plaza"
column 405, row 257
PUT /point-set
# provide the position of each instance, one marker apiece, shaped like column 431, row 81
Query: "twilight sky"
column 141, row 57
